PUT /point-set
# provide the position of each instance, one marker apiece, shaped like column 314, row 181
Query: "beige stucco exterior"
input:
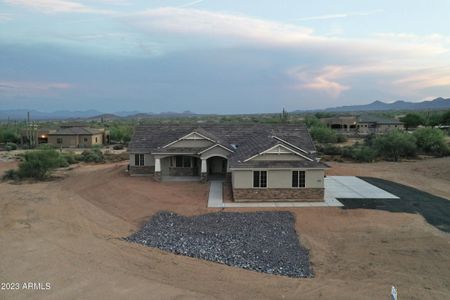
column 75, row 141
column 314, row 178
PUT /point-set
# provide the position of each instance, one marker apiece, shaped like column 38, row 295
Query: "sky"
column 211, row 56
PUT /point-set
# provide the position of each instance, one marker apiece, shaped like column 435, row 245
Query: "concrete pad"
column 353, row 187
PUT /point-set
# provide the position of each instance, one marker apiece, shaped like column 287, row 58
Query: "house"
column 77, row 137
column 362, row 125
column 263, row 162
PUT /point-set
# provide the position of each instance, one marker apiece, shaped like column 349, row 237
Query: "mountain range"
column 21, row 114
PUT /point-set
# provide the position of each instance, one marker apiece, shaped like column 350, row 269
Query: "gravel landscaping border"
column 260, row 241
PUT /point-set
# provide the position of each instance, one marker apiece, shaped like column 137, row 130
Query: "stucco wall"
column 68, row 141
column 278, row 178
column 216, row 151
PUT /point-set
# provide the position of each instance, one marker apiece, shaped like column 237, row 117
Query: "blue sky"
column 220, row 56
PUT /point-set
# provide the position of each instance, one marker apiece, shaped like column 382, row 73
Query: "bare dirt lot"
column 68, row 232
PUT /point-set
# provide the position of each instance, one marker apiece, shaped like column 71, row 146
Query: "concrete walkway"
column 215, row 198
column 335, row 187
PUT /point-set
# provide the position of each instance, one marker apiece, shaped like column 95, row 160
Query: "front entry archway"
column 217, row 166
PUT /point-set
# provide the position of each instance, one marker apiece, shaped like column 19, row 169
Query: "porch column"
column 204, row 170
column 158, row 169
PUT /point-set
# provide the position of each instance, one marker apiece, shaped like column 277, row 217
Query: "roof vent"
column 234, row 146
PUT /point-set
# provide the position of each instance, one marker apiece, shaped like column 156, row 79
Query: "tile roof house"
column 363, row 124
column 78, row 137
column 264, row 162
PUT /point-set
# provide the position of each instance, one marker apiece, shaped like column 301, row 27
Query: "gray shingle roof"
column 377, row 119
column 250, row 139
column 76, row 131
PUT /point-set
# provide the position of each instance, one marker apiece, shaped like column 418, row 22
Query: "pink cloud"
column 31, row 87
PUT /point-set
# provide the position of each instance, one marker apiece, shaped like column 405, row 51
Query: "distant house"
column 78, row 137
column 362, row 125
column 263, row 162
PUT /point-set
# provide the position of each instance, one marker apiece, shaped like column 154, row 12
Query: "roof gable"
column 279, row 149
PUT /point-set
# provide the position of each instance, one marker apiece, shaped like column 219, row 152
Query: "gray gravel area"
column 260, row 241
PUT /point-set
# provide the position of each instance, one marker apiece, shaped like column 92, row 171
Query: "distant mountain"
column 21, row 114
column 438, row 103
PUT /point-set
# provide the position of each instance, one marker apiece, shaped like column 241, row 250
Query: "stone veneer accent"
column 278, row 194
column 142, row 170
column 182, row 172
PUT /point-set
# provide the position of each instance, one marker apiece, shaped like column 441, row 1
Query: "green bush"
column 92, row 155
column 323, row 134
column 330, row 149
column 70, row 157
column 11, row 174
column 9, row 136
column 340, row 138
column 412, row 120
column 360, row 153
column 38, row 164
column 395, row 144
column 10, row 146
column 431, row 141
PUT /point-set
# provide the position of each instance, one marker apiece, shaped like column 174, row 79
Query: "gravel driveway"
column 260, row 241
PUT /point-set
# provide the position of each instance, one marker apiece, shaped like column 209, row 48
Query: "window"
column 85, row 139
column 179, row 161
column 298, row 178
column 96, row 140
column 139, row 159
column 259, row 179
column 59, row 140
column 182, row 161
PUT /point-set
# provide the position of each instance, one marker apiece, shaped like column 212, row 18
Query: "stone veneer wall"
column 280, row 194
column 142, row 170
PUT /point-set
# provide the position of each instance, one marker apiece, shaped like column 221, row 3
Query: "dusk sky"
column 215, row 56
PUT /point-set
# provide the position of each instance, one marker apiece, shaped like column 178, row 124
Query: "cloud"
column 56, row 6
column 187, row 21
column 191, row 3
column 8, row 87
column 323, row 80
column 341, row 15
column 5, row 17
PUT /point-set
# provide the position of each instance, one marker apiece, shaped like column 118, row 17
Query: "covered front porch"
column 190, row 167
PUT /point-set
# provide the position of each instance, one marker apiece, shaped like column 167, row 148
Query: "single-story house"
column 78, row 137
column 362, row 124
column 263, row 162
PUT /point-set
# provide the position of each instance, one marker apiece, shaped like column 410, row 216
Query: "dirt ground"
column 68, row 232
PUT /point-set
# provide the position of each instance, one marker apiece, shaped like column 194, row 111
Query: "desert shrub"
column 11, row 174
column 341, row 138
column 330, row 149
column 431, row 141
column 323, row 134
column 9, row 136
column 364, row 154
column 92, row 155
column 395, row 144
column 70, row 157
column 118, row 147
column 10, row 146
column 38, row 164
column 360, row 153
column 412, row 120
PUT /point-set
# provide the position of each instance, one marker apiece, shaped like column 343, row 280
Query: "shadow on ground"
column 435, row 210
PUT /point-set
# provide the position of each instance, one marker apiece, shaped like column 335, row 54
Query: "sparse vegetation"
column 431, row 141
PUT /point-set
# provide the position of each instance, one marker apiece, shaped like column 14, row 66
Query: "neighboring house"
column 263, row 162
column 78, row 137
column 362, row 125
